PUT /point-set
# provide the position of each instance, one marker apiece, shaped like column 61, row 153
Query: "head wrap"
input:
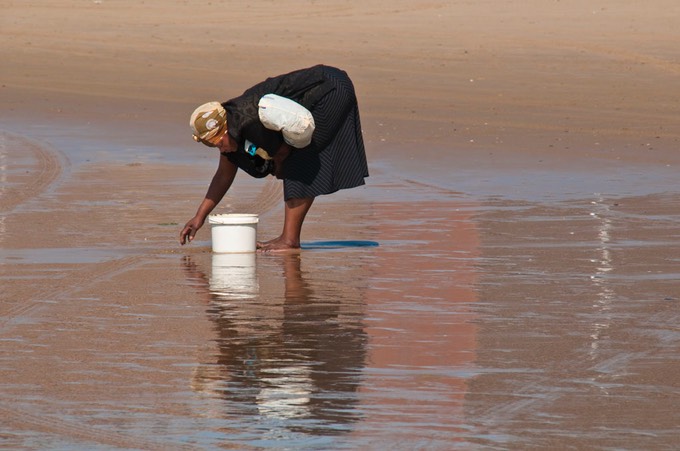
column 208, row 121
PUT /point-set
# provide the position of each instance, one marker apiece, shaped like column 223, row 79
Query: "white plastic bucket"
column 233, row 232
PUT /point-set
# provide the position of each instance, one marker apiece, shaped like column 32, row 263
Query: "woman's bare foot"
column 279, row 244
column 295, row 210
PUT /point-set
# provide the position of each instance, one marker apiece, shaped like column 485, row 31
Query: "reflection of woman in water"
column 301, row 365
column 334, row 159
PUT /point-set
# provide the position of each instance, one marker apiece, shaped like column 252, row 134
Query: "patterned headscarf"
column 208, row 121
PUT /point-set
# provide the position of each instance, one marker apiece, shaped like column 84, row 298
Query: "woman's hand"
column 190, row 229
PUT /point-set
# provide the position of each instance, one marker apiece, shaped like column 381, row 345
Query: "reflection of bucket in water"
column 233, row 275
column 233, row 232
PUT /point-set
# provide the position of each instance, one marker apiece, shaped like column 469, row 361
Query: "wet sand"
column 507, row 279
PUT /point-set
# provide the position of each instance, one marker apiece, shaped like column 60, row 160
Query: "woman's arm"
column 220, row 184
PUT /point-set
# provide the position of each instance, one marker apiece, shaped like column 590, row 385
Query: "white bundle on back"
column 293, row 120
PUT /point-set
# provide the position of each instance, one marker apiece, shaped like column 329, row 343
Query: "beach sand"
column 506, row 279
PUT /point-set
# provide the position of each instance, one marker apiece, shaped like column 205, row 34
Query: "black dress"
column 336, row 157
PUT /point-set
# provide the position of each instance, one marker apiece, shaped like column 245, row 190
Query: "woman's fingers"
column 186, row 233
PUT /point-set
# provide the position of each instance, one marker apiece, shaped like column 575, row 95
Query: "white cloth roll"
column 293, row 120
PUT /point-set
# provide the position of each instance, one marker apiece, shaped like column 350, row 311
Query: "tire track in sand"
column 49, row 165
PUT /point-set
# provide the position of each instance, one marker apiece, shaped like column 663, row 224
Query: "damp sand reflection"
column 348, row 343
column 288, row 356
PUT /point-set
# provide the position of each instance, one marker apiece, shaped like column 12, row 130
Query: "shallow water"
column 454, row 319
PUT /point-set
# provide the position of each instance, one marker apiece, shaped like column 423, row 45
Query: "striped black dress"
column 336, row 158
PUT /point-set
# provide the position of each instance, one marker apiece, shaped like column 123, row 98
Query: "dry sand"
column 523, row 192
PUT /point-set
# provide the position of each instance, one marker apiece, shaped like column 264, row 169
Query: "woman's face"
column 224, row 142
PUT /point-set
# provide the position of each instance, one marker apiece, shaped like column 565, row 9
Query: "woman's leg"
column 295, row 211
